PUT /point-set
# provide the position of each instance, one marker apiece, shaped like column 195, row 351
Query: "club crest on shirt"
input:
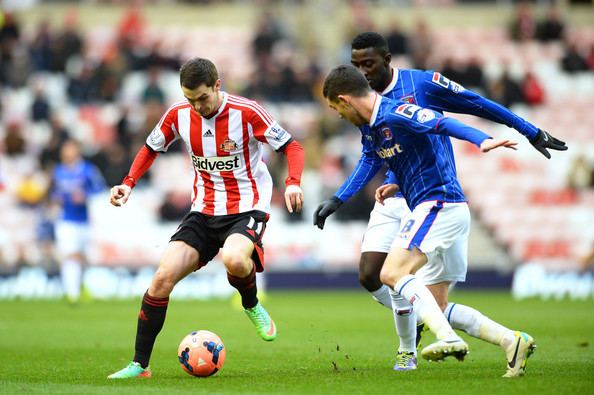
column 387, row 133
column 229, row 146
column 408, row 99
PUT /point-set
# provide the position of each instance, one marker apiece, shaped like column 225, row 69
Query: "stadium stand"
column 519, row 197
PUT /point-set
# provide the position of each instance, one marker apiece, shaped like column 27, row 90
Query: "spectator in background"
column 10, row 29
column 451, row 70
column 14, row 141
column 113, row 161
column 473, row 75
column 40, row 109
column 552, row 27
column 82, row 87
column 74, row 180
column 506, row 90
column 50, row 154
column 581, row 174
column 268, row 33
column 132, row 25
column 65, row 44
column 153, row 91
column 533, row 91
column 590, row 58
column 397, row 38
column 40, row 47
column 421, row 44
column 523, row 25
column 175, row 207
column 572, row 61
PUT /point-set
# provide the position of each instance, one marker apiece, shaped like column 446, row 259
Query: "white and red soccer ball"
column 201, row 353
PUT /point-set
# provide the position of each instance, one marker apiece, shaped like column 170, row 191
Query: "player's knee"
column 163, row 283
column 388, row 277
column 236, row 263
column 369, row 279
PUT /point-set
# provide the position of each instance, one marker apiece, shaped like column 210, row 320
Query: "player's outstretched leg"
column 518, row 353
column 133, row 370
column 262, row 321
column 478, row 325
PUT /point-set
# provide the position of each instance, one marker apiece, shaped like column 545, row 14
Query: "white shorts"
column 71, row 237
column 384, row 224
column 440, row 230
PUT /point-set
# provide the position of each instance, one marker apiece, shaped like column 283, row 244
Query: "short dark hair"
column 198, row 71
column 371, row 40
column 345, row 79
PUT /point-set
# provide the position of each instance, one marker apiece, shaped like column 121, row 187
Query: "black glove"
column 325, row 209
column 544, row 140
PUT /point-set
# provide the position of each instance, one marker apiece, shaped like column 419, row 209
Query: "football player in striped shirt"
column 415, row 144
column 224, row 136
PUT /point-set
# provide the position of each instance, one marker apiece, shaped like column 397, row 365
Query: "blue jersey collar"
column 376, row 106
column 392, row 83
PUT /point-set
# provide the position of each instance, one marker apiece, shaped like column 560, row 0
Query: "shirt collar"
column 376, row 106
column 392, row 83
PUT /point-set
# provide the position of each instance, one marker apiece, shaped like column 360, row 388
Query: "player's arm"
column 295, row 161
column 159, row 140
column 388, row 188
column 446, row 95
column 142, row 162
column 366, row 168
column 268, row 131
column 414, row 119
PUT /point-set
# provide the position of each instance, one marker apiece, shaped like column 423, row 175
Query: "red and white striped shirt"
column 226, row 150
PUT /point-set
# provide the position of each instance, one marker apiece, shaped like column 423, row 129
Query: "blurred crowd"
column 91, row 90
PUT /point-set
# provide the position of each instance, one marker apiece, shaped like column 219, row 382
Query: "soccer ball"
column 201, row 353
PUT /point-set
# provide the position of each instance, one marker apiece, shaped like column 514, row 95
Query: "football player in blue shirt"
column 431, row 90
column 414, row 143
column 74, row 180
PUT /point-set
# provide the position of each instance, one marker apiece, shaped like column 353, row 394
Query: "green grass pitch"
column 329, row 343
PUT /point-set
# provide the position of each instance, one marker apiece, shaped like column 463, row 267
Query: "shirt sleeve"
column 165, row 133
column 447, row 95
column 266, row 129
column 414, row 119
column 367, row 167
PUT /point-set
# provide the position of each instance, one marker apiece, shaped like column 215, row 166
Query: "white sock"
column 477, row 325
column 382, row 296
column 71, row 274
column 406, row 323
column 425, row 306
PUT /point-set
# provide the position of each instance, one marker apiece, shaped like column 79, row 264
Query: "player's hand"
column 385, row 191
column 120, row 195
column 491, row 144
column 325, row 209
column 294, row 198
column 544, row 140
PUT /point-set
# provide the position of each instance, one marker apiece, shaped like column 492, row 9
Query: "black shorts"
column 207, row 234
